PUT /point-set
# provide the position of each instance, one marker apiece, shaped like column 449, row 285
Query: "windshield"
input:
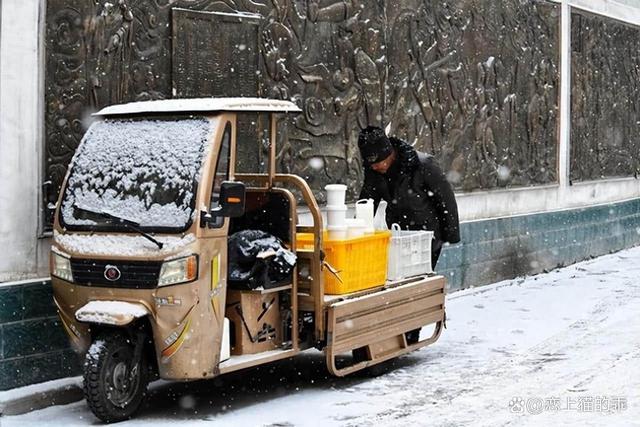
column 144, row 171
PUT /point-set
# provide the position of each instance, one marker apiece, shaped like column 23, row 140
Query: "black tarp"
column 258, row 259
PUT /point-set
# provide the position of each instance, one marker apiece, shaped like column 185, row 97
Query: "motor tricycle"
column 139, row 260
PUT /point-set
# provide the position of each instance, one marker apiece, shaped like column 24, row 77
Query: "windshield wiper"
column 131, row 225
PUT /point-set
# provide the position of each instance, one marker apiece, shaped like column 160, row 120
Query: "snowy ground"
column 561, row 348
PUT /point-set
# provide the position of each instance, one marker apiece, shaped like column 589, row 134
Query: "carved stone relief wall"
column 474, row 82
column 605, row 98
column 214, row 54
column 218, row 54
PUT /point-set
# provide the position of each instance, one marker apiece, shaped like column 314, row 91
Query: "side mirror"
column 232, row 198
column 231, row 205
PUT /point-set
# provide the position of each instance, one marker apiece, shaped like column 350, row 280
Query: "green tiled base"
column 504, row 248
column 40, row 301
column 21, row 371
column 33, row 346
column 32, row 337
column 26, row 301
column 11, row 307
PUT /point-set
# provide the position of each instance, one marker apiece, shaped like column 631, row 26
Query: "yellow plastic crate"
column 360, row 262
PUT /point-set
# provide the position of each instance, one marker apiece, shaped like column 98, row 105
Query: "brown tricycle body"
column 149, row 298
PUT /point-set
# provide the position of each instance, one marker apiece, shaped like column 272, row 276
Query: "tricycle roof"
column 188, row 105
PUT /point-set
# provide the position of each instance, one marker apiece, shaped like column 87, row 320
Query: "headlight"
column 61, row 267
column 179, row 271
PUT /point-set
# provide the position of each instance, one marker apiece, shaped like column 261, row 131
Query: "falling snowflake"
column 187, row 402
column 316, row 163
column 453, row 176
column 504, row 173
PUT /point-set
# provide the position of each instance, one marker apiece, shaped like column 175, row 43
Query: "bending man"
column 418, row 194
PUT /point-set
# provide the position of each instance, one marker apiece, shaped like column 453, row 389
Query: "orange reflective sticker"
column 173, row 348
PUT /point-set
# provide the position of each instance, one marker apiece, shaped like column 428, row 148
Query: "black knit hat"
column 374, row 145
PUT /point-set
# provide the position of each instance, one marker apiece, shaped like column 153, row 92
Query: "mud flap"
column 378, row 322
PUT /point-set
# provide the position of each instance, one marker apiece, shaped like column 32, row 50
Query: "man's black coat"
column 418, row 194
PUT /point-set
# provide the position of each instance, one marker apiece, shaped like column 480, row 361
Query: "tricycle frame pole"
column 273, row 122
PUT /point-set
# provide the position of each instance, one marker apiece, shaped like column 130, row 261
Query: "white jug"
column 380, row 218
column 364, row 212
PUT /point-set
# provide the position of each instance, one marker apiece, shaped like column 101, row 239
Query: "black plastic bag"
column 258, row 259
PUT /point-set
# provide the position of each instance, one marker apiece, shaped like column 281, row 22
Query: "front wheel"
column 115, row 379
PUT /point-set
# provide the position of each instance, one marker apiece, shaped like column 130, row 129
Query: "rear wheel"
column 360, row 355
column 413, row 336
column 115, row 380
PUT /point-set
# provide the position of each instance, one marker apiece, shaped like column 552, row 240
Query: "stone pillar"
column 21, row 89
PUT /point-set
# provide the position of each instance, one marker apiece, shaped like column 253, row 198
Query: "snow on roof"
column 200, row 104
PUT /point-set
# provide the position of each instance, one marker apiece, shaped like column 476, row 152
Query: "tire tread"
column 93, row 365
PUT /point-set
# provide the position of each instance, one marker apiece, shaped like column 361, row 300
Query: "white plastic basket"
column 409, row 253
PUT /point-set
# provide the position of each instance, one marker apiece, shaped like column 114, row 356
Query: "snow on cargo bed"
column 143, row 170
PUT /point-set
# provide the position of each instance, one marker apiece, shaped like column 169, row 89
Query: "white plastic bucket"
column 409, row 253
column 364, row 212
column 355, row 227
column 336, row 216
column 336, row 194
column 338, row 232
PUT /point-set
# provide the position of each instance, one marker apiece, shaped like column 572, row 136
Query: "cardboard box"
column 257, row 326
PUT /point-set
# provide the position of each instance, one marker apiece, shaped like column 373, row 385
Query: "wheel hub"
column 123, row 383
column 120, row 380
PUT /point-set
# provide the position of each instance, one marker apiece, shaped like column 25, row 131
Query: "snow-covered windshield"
column 144, row 171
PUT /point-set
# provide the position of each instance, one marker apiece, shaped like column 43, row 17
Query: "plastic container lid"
column 336, row 194
column 335, row 208
column 335, row 187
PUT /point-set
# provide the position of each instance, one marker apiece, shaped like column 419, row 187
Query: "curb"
column 61, row 395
